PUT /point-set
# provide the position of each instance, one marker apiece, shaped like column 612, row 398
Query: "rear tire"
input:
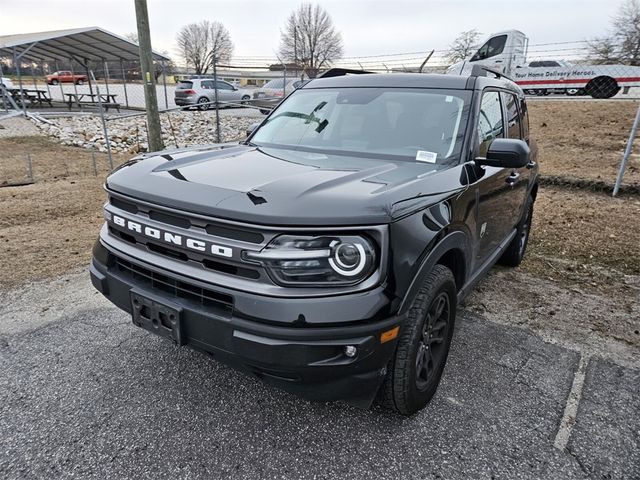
column 514, row 253
column 79, row 82
column 245, row 99
column 203, row 103
column 602, row 87
column 414, row 372
column 264, row 111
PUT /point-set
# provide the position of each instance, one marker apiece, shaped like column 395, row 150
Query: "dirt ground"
column 584, row 139
column 583, row 262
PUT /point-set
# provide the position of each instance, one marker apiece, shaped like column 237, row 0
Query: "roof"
column 390, row 80
column 413, row 80
column 89, row 43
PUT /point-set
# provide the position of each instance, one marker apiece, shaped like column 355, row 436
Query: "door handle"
column 513, row 178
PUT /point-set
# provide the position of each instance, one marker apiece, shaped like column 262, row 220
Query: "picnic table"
column 38, row 96
column 108, row 100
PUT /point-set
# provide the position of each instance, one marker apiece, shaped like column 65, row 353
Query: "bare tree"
column 200, row 43
column 132, row 37
column 623, row 44
column 603, row 51
column 463, row 45
column 310, row 39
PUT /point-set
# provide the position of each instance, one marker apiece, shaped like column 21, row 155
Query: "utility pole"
column 148, row 78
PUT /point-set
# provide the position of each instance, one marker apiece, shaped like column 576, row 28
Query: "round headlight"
column 347, row 259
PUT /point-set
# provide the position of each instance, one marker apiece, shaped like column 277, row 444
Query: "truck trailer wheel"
column 414, row 372
column 602, row 87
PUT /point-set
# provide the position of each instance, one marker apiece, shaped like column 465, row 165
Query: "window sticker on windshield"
column 424, row 156
column 449, row 99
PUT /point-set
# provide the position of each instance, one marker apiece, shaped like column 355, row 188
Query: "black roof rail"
column 340, row 72
column 481, row 71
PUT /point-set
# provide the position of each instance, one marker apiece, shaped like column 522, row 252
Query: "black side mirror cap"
column 506, row 153
column 252, row 128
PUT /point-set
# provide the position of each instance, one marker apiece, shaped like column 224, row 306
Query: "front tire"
column 514, row 253
column 245, row 99
column 414, row 372
column 80, row 82
column 54, row 82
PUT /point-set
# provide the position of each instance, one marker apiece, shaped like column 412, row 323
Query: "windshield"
column 425, row 125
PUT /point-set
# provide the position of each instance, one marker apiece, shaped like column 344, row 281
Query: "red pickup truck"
column 66, row 77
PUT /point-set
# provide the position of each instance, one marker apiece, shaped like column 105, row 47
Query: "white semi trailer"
column 506, row 52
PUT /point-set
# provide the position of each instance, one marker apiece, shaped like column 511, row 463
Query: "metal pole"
column 17, row 65
column 93, row 159
column 124, row 84
column 284, row 84
column 295, row 48
column 3, row 93
column 60, row 85
column 104, row 123
column 215, row 93
column 33, row 78
column 45, row 80
column 89, row 75
column 627, row 152
column 106, row 76
column 30, row 166
column 75, row 87
column 146, row 62
column 164, row 85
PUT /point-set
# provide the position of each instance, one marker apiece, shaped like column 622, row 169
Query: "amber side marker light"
column 389, row 334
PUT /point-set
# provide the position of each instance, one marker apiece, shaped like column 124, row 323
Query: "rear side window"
column 185, row 84
column 513, row 116
column 490, row 124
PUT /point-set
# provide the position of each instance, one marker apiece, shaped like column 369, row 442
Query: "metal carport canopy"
column 90, row 43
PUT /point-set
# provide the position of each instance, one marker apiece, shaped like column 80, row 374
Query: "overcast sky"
column 368, row 27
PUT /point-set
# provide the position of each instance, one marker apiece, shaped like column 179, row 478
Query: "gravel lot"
column 85, row 394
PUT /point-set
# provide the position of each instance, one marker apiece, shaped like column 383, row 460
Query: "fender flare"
column 454, row 240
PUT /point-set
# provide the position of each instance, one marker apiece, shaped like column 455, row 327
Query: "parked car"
column 201, row 93
column 272, row 93
column 328, row 252
column 7, row 83
column 66, row 76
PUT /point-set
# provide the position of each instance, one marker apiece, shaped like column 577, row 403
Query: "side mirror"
column 252, row 128
column 506, row 153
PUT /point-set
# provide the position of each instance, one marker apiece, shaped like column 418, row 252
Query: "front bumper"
column 303, row 359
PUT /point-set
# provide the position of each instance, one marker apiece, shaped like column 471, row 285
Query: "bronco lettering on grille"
column 173, row 238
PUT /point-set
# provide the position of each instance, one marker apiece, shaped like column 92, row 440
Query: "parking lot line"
column 571, row 408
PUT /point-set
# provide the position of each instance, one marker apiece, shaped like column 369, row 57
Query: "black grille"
column 220, row 303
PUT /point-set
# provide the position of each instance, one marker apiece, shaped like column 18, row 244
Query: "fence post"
column 75, row 87
column 627, row 152
column 124, row 84
column 95, row 168
column 2, row 92
column 16, row 63
column 60, row 85
column 30, row 166
column 164, row 85
column 104, row 122
column 215, row 92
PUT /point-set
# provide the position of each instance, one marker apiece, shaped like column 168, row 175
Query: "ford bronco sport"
column 327, row 253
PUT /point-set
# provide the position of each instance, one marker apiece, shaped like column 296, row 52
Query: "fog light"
column 350, row 351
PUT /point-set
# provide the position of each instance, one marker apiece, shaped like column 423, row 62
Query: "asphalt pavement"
column 85, row 394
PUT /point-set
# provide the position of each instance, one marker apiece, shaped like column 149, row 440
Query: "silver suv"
column 200, row 93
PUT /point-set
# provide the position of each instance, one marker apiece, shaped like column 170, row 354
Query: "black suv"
column 327, row 253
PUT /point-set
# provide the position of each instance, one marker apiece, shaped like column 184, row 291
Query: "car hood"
column 284, row 187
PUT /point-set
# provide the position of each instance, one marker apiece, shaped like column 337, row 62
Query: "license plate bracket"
column 158, row 316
